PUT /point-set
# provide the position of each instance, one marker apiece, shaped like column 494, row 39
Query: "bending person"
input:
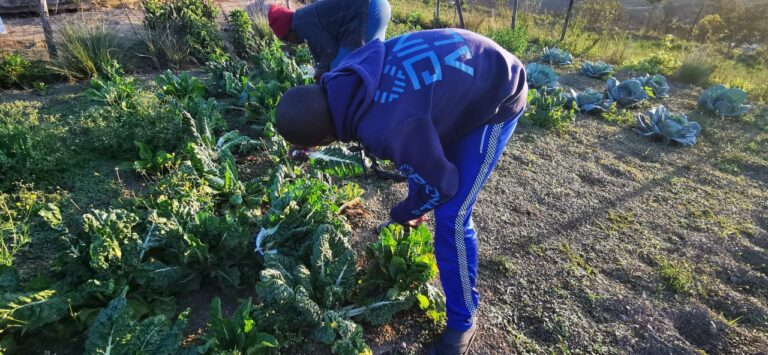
column 331, row 28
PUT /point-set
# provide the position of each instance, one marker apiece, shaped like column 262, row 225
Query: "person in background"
column 441, row 104
column 331, row 28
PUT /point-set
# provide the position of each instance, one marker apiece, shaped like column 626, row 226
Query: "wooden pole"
column 567, row 20
column 696, row 20
column 42, row 7
column 514, row 15
column 437, row 14
column 461, row 14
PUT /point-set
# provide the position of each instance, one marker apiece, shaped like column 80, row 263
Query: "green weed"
column 576, row 261
column 676, row 276
column 515, row 41
column 549, row 110
column 618, row 116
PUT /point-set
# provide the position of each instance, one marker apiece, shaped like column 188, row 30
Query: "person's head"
column 304, row 118
column 280, row 22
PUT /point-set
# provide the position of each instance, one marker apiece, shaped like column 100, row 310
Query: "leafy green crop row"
column 280, row 238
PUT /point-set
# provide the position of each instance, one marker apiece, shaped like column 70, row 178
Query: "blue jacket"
column 408, row 97
column 328, row 25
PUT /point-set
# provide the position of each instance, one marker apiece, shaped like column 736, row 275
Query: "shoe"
column 454, row 342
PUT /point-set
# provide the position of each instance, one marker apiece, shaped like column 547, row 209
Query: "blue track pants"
column 475, row 156
column 379, row 13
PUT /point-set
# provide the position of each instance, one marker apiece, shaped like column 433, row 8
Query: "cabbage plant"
column 589, row 101
column 597, row 69
column 627, row 93
column 556, row 56
column 656, row 83
column 724, row 101
column 541, row 76
column 660, row 122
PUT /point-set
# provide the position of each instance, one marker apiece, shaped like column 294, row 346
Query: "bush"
column 88, row 51
column 515, row 41
column 20, row 73
column 191, row 21
column 661, row 62
column 696, row 70
column 33, row 145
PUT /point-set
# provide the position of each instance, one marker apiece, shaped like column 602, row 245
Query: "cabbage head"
column 627, row 93
column 556, row 56
column 724, row 101
column 659, row 122
column 589, row 101
column 657, row 83
column 541, row 76
column 597, row 69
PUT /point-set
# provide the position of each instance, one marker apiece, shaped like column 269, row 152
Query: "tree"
column 654, row 4
column 600, row 15
column 710, row 28
column 567, row 20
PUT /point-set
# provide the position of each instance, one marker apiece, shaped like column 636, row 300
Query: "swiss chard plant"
column 114, row 90
column 556, row 56
column 724, row 101
column 118, row 330
column 600, row 70
column 242, row 332
column 541, row 77
column 183, row 87
column 660, row 122
column 626, row 93
column 401, row 266
column 657, row 84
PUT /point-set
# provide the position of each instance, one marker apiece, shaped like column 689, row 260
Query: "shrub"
column 166, row 47
column 21, row 73
column 550, row 110
column 243, row 36
column 661, row 62
column 88, row 51
column 192, row 21
column 33, row 145
column 515, row 41
column 696, row 69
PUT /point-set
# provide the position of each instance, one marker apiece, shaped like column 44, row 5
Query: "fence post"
column 567, row 20
column 461, row 14
column 42, row 7
column 514, row 15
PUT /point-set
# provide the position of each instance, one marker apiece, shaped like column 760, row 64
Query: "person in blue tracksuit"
column 441, row 104
column 331, row 28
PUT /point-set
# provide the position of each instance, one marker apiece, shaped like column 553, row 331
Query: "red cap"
column 280, row 20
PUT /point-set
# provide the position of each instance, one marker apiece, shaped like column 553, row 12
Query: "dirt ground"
column 596, row 240
column 574, row 231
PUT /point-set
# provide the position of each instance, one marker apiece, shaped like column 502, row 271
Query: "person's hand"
column 410, row 224
column 381, row 226
column 416, row 222
column 299, row 153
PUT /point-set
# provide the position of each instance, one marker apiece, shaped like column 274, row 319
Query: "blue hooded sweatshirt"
column 408, row 97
